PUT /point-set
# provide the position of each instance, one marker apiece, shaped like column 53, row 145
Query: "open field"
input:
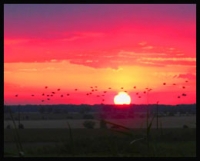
column 176, row 136
column 165, row 122
column 103, row 142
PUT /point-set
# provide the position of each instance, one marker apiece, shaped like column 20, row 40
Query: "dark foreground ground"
column 168, row 142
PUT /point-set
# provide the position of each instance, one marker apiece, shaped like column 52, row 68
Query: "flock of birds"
column 47, row 96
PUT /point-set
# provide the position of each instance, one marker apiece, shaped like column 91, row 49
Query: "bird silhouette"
column 53, row 92
column 178, row 97
column 61, row 96
column 45, row 87
column 76, row 89
column 183, row 87
column 122, row 88
column 164, row 83
column 134, row 87
column 16, row 95
column 58, row 89
column 137, row 93
column 43, row 94
column 32, row 95
column 68, row 94
column 109, row 88
column 104, row 92
column 184, row 94
column 186, row 81
column 174, row 84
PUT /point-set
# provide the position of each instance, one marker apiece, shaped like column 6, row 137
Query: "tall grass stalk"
column 71, row 139
column 161, row 129
column 157, row 115
column 16, row 135
column 148, row 124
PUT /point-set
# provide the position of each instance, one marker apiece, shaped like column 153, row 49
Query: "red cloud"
column 187, row 76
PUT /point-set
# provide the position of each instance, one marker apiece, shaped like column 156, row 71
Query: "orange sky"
column 79, row 46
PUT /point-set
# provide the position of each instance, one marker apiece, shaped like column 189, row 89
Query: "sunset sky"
column 79, row 46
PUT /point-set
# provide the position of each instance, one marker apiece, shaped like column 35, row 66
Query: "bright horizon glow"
column 79, row 46
column 122, row 98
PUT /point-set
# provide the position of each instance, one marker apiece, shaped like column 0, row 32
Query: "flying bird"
column 134, row 87
column 61, row 96
column 32, row 95
column 184, row 94
column 46, row 87
column 75, row 89
column 178, row 97
column 43, row 94
column 16, row 95
column 183, row 87
column 164, row 83
column 174, row 84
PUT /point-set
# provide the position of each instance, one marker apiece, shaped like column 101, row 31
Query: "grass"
column 102, row 142
column 16, row 137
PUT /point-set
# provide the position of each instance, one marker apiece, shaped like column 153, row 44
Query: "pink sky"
column 78, row 46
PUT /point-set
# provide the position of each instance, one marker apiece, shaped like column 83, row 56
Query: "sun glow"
column 122, row 98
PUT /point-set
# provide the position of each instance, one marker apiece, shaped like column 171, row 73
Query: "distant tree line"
column 84, row 109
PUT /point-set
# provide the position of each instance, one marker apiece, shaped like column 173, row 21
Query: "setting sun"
column 122, row 98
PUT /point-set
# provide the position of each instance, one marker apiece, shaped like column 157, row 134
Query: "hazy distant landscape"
column 132, row 116
column 57, row 126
